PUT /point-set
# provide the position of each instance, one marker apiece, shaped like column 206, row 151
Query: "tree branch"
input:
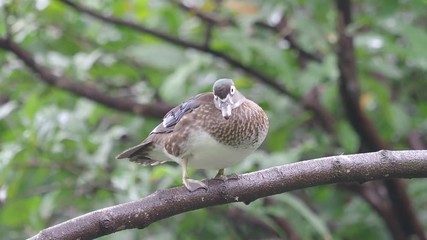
column 249, row 187
column 205, row 16
column 157, row 110
column 210, row 19
column 283, row 30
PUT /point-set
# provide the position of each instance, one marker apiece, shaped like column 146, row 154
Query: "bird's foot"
column 232, row 176
column 192, row 185
column 220, row 176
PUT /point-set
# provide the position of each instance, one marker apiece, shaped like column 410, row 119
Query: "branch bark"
column 157, row 110
column 249, row 187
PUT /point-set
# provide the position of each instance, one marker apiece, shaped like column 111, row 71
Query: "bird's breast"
column 205, row 152
column 246, row 128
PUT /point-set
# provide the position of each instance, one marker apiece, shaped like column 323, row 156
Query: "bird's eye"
column 232, row 90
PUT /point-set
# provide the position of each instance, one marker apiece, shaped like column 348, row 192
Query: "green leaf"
column 173, row 86
column 162, row 56
column 401, row 121
column 19, row 212
column 314, row 220
column 347, row 138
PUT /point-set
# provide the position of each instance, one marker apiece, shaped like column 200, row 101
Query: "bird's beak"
column 226, row 106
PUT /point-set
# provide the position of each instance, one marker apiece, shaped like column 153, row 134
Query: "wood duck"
column 212, row 130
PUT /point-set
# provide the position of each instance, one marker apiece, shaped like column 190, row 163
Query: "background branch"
column 88, row 91
column 315, row 107
column 182, row 43
column 348, row 84
column 239, row 217
column 281, row 222
column 249, row 187
column 210, row 17
column 400, row 202
column 283, row 30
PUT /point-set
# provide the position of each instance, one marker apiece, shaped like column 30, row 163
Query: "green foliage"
column 57, row 149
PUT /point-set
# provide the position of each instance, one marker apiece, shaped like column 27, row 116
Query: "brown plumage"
column 202, row 133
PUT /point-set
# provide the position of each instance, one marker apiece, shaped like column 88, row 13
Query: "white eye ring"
column 232, row 90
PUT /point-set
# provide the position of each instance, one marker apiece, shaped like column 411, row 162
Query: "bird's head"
column 226, row 96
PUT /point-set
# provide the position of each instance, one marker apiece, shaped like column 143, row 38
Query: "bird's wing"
column 175, row 115
column 142, row 152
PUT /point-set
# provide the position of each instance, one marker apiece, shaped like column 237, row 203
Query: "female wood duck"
column 208, row 131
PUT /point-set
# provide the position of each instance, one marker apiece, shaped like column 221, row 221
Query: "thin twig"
column 205, row 16
column 293, row 44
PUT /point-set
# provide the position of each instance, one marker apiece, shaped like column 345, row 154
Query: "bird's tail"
column 140, row 154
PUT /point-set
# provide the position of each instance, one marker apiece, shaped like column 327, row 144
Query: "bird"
column 212, row 130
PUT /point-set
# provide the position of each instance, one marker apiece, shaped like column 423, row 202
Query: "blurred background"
column 80, row 81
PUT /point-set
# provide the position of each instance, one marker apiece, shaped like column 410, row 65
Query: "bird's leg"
column 191, row 184
column 220, row 173
column 220, row 176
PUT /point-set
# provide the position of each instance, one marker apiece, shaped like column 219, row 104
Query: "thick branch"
column 249, row 187
column 157, row 110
